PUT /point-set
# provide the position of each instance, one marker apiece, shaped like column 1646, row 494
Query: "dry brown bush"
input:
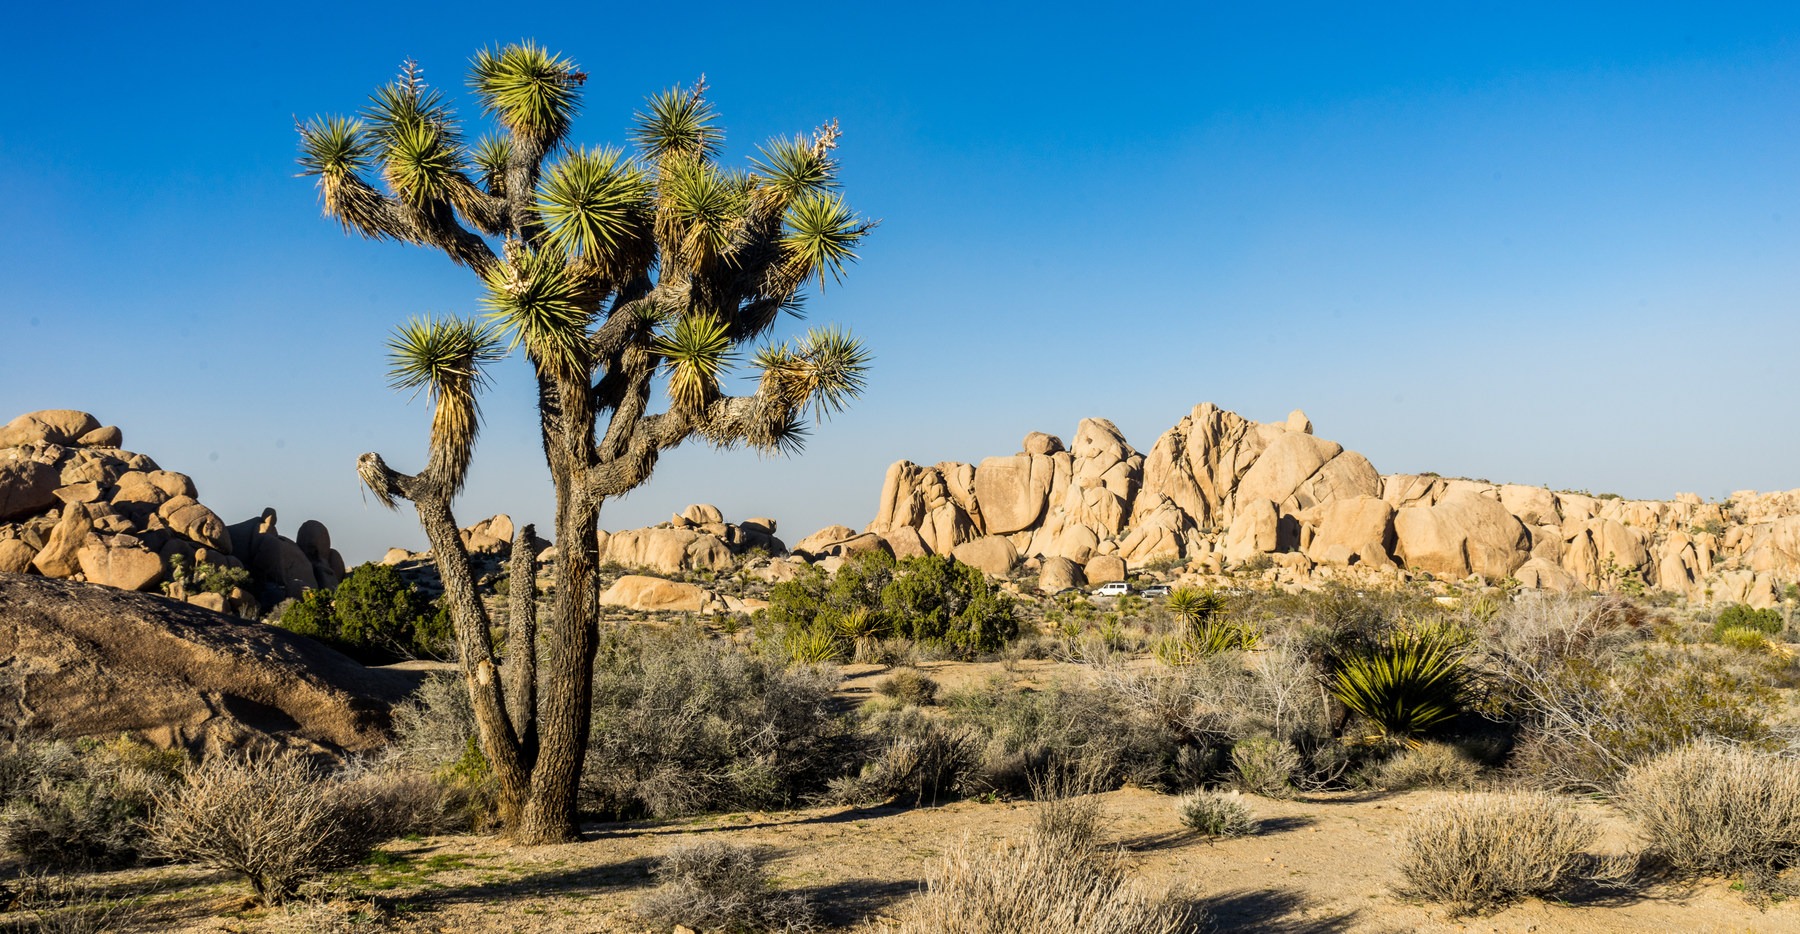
column 1428, row 765
column 1719, row 810
column 1478, row 852
column 1040, row 885
column 273, row 818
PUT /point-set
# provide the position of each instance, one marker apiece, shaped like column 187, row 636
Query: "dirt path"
column 1322, row 864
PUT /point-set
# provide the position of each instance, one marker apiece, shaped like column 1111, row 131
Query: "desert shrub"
column 911, row 686
column 374, row 615
column 273, row 818
column 1585, row 722
column 57, row 904
column 434, row 733
column 1738, row 616
column 1039, row 885
column 1481, row 851
column 718, row 886
column 1743, row 639
column 683, row 724
column 939, row 600
column 203, row 577
column 1265, row 766
column 80, row 805
column 1427, row 765
column 910, row 758
column 1083, row 729
column 1216, row 814
column 1716, row 810
column 1408, row 684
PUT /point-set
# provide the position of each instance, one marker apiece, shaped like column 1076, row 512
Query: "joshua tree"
column 616, row 273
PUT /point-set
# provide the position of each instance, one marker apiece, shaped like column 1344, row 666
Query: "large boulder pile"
column 1218, row 490
column 696, row 539
column 75, row 505
column 86, row 660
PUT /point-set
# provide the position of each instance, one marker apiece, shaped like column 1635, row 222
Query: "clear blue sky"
column 1528, row 242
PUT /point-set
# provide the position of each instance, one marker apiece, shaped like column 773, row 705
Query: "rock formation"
column 75, row 505
column 86, row 660
column 1217, row 490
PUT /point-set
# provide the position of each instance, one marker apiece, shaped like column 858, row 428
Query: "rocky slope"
column 1217, row 490
column 87, row 660
column 75, row 505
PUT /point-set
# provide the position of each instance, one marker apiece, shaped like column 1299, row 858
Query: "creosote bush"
column 684, row 724
column 273, row 818
column 1216, row 814
column 1481, row 851
column 1713, row 810
column 718, row 886
column 80, row 805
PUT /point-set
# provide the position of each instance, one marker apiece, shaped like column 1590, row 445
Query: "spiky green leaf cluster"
column 596, row 203
column 821, row 236
column 333, row 146
column 1406, row 685
column 491, row 155
column 533, row 91
column 405, row 103
column 444, row 358
column 697, row 351
column 795, row 166
column 824, row 370
column 538, row 304
column 679, row 125
column 701, row 213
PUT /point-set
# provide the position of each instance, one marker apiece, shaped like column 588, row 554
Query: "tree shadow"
column 563, row 880
column 1269, row 825
column 1176, row 839
column 594, row 831
column 1270, row 911
column 854, row 901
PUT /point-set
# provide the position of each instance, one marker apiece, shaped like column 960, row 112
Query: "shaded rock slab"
column 87, row 660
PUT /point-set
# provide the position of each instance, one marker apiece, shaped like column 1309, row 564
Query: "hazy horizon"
column 1522, row 243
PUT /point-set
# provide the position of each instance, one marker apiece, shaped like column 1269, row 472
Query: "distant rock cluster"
column 75, row 505
column 1219, row 490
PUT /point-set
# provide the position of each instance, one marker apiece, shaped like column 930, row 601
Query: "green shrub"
column 911, row 759
column 1265, row 766
column 718, row 886
column 932, row 600
column 80, row 805
column 1406, row 685
column 375, row 615
column 1743, row 639
column 683, row 724
column 1080, row 729
column 1719, row 811
column 1739, row 616
column 1216, row 814
column 938, row 600
column 1585, row 722
column 1477, row 852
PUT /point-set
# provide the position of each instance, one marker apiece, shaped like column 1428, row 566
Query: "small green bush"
column 932, row 600
column 1216, row 814
column 375, row 615
column 1739, row 616
column 1265, row 766
column 1743, row 639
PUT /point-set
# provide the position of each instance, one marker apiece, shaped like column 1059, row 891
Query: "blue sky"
column 1530, row 243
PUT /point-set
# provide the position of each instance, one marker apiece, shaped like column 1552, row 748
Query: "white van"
column 1113, row 589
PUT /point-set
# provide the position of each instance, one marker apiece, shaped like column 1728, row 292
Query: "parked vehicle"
column 1156, row 590
column 1113, row 589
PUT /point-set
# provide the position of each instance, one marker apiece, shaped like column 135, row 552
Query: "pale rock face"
column 108, row 436
column 1297, row 421
column 1289, row 461
column 1060, row 574
column 704, row 513
column 668, row 551
column 991, row 554
column 906, row 542
column 26, row 486
column 818, row 542
column 52, row 426
column 198, row 524
column 1545, row 575
column 636, row 592
column 1256, row 530
column 1357, row 531
column 1013, row 491
column 1465, row 534
column 121, row 562
column 58, row 557
column 1042, row 444
column 1104, row 569
column 16, row 556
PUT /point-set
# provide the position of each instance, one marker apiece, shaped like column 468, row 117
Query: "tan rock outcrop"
column 1060, row 574
column 1464, row 534
column 637, row 592
column 992, row 554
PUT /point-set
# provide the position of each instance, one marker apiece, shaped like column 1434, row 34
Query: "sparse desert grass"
column 717, row 886
column 1216, row 814
column 1713, row 810
column 1265, row 766
column 913, row 759
column 909, row 685
column 80, row 805
column 1481, row 851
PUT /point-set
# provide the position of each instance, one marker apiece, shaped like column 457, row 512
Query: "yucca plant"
column 1405, row 685
column 617, row 274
